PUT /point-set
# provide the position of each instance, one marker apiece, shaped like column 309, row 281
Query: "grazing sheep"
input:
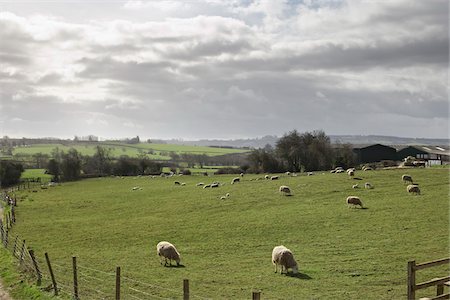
column 407, row 178
column 242, row 174
column 284, row 189
column 266, row 177
column 227, row 195
column 351, row 173
column 309, row 174
column 366, row 168
column 183, row 184
column 200, row 184
column 274, row 178
column 214, row 185
column 135, row 188
column 413, row 189
column 167, row 251
column 223, row 197
column 294, row 174
column 353, row 200
column 206, row 186
column 355, row 186
column 367, row 185
column 236, row 179
column 288, row 173
column 282, row 256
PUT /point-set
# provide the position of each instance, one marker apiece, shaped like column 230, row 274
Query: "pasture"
column 225, row 245
column 153, row 151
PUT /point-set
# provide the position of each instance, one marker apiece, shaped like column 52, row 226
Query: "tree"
column 71, row 165
column 53, row 168
column 10, row 172
column 40, row 159
column 290, row 148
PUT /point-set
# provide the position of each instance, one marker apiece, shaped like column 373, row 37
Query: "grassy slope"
column 226, row 245
column 118, row 149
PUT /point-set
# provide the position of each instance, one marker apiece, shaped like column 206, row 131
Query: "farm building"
column 375, row 153
column 432, row 155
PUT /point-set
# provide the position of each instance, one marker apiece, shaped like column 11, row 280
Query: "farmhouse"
column 375, row 153
column 432, row 155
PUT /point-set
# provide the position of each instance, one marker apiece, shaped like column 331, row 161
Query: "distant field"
column 34, row 173
column 343, row 253
column 159, row 151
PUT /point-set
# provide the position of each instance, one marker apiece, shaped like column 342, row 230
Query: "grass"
column 35, row 173
column 343, row 253
column 158, row 151
column 18, row 286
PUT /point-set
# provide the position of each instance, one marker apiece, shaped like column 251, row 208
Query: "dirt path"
column 3, row 294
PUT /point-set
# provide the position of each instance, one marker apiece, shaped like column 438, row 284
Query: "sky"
column 216, row 69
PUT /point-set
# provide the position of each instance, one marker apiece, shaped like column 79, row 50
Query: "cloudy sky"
column 223, row 69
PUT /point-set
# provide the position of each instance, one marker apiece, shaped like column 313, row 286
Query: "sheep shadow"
column 357, row 178
column 299, row 276
column 175, row 266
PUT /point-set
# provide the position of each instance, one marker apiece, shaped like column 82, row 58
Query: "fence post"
column 5, row 242
column 411, row 280
column 36, row 267
column 256, row 295
column 55, row 288
column 75, row 278
column 117, row 283
column 15, row 246
column 186, row 289
column 1, row 229
column 22, row 251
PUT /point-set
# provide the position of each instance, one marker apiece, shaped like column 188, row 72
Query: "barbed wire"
column 147, row 294
column 95, row 270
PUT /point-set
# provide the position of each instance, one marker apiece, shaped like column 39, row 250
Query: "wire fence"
column 78, row 281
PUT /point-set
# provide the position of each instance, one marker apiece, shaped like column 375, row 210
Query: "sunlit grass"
column 343, row 253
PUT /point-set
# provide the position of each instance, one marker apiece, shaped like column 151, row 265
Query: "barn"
column 432, row 155
column 375, row 153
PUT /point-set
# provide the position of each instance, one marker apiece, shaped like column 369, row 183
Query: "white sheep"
column 355, row 186
column 368, row 185
column 223, row 197
column 242, row 174
column 227, row 195
column 354, row 200
column 214, row 184
column 266, row 176
column 282, row 256
column 200, row 184
column 407, row 178
column 206, row 186
column 413, row 189
column 274, row 178
column 284, row 189
column 351, row 173
column 236, row 179
column 167, row 251
column 288, row 173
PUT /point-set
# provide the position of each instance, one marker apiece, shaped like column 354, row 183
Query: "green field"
column 343, row 253
column 158, row 151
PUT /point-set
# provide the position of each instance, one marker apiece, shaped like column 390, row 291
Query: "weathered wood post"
column 5, row 241
column 117, row 283
column 411, row 280
column 256, row 295
column 75, row 278
column 36, row 267
column 22, row 251
column 55, row 288
column 15, row 246
column 186, row 289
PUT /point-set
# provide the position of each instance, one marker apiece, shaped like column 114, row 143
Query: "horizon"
column 224, row 70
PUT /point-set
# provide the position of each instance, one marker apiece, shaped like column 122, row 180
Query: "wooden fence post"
column 15, row 246
column 186, row 289
column 75, row 278
column 36, row 267
column 411, row 280
column 55, row 288
column 256, row 295
column 22, row 251
column 118, row 283
column 5, row 242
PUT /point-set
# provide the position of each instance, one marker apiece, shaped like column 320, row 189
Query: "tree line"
column 305, row 152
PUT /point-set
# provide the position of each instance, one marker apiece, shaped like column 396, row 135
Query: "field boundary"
column 438, row 282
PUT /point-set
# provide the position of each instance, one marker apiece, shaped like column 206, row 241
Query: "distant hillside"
column 351, row 139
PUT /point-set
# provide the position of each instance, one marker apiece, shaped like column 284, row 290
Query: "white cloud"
column 232, row 64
